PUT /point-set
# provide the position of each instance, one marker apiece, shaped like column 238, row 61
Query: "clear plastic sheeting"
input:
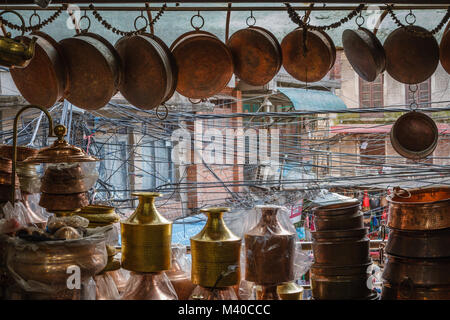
column 24, row 215
column 120, row 278
column 54, row 223
column 202, row 293
column 180, row 272
column 106, row 288
column 302, row 261
column 62, row 174
column 179, row 255
column 149, row 286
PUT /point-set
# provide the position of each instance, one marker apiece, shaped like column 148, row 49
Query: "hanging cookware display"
column 44, row 80
column 444, row 49
column 412, row 54
column 94, row 69
column 205, row 64
column 308, row 55
column 340, row 216
column 256, row 54
column 364, row 51
column 15, row 53
column 149, row 70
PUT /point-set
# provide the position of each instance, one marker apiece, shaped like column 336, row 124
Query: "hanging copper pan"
column 411, row 58
column 314, row 63
column 44, row 81
column 149, row 70
column 444, row 49
column 94, row 69
column 256, row 55
column 205, row 64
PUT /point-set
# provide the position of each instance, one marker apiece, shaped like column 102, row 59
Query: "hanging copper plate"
column 44, row 80
column 444, row 49
column 205, row 64
column 312, row 65
column 149, row 70
column 364, row 52
column 411, row 58
column 94, row 69
column 256, row 55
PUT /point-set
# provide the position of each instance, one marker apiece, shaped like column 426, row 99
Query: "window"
column 422, row 95
column 371, row 93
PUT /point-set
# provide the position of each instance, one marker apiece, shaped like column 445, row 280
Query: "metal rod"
column 14, row 158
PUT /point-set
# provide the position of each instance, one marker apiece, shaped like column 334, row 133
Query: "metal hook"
column 166, row 113
column 412, row 16
column 192, row 21
column 140, row 17
column 34, row 15
column 358, row 19
column 250, row 19
column 89, row 22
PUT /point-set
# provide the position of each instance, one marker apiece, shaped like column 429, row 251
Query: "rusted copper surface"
column 94, row 70
column 364, row 52
column 205, row 64
column 425, row 209
column 343, row 247
column 314, row 63
column 414, row 135
column 411, row 58
column 405, row 292
column 204, row 293
column 269, row 247
column 340, row 216
column 444, row 50
column 149, row 70
column 44, row 80
column 256, row 55
column 64, row 202
column 419, row 244
column 63, row 180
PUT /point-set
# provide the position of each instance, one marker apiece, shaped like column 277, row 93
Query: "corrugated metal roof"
column 313, row 100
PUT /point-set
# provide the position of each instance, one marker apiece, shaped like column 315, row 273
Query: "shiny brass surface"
column 419, row 209
column 180, row 280
column 203, row 293
column 146, row 237
column 340, row 216
column 269, row 247
column 99, row 215
column 63, row 202
column 148, row 286
column 290, row 291
column 215, row 252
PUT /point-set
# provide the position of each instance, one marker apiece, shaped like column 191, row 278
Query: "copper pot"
column 63, row 181
column 407, row 292
column 5, row 165
column 411, row 58
column 149, row 286
column 340, row 216
column 343, row 247
column 312, row 64
column 256, row 55
column 204, row 293
column 205, row 64
column 269, row 247
column 180, row 280
column 44, row 80
column 149, row 70
column 63, row 202
column 414, row 135
column 419, row 209
column 94, row 69
column 444, row 49
column 6, row 151
column 419, row 244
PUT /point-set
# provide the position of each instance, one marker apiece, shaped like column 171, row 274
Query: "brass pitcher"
column 146, row 237
column 14, row 53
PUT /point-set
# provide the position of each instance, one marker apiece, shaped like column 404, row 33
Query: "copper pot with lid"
column 94, row 69
column 67, row 180
column 256, row 55
column 205, row 64
column 149, row 70
column 412, row 54
column 310, row 60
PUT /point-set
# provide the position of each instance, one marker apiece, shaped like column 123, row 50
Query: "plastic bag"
column 23, row 214
column 149, row 286
column 58, row 175
column 54, row 223
column 106, row 288
column 120, row 278
column 180, row 273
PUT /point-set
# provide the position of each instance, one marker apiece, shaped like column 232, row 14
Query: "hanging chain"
column 298, row 20
column 38, row 26
column 413, row 89
column 251, row 20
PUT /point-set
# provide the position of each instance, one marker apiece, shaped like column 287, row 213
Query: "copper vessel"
column 6, row 151
column 411, row 58
column 202, row 293
column 63, row 180
column 414, row 135
column 269, row 247
column 407, row 292
column 146, row 237
column 43, row 81
column 205, row 64
column 267, row 292
column 94, row 69
column 63, row 202
column 343, row 247
column 149, row 70
column 419, row 209
column 99, row 215
column 364, row 52
column 256, row 55
column 339, row 216
column 419, row 244
column 215, row 252
column 444, row 49
column 290, row 291
column 180, row 280
column 149, row 286
column 5, row 165
column 310, row 60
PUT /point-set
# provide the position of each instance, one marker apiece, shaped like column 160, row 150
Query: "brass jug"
column 290, row 291
column 215, row 253
column 146, row 237
column 14, row 53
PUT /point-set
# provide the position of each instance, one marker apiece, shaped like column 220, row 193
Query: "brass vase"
column 215, row 253
column 290, row 291
column 146, row 237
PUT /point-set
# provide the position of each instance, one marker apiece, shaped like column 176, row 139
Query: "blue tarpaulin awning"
column 313, row 100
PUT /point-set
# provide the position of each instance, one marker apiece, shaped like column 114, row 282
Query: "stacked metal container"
column 341, row 253
column 418, row 248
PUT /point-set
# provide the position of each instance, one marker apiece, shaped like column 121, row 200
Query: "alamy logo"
column 74, row 280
